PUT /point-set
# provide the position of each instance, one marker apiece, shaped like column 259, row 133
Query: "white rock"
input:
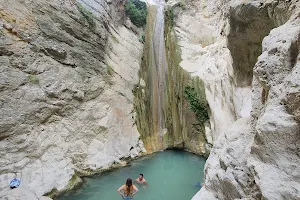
column 258, row 158
column 204, row 54
column 61, row 110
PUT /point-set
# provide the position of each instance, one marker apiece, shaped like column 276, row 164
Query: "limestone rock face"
column 226, row 171
column 21, row 193
column 198, row 25
column 256, row 157
column 275, row 152
column 66, row 78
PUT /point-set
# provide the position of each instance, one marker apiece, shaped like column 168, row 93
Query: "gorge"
column 83, row 90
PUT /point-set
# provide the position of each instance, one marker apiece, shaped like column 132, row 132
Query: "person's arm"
column 145, row 182
column 135, row 190
column 120, row 189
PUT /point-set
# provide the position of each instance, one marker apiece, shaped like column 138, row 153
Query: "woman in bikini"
column 129, row 190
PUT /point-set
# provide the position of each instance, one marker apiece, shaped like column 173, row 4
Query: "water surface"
column 172, row 175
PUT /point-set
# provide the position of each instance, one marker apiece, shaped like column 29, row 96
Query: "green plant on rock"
column 182, row 4
column 115, row 38
column 197, row 103
column 110, row 70
column 142, row 38
column 170, row 16
column 137, row 12
column 33, row 79
column 87, row 15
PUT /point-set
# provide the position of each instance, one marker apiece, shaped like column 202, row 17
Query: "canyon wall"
column 247, row 54
column 80, row 92
column 78, row 95
column 66, row 78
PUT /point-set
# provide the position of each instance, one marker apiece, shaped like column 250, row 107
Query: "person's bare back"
column 129, row 190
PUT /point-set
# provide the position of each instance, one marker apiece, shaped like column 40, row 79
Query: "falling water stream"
column 159, row 71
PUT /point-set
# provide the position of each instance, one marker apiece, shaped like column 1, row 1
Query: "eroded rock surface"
column 201, row 28
column 256, row 157
column 66, row 78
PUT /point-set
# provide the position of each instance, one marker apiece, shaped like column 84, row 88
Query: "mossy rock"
column 33, row 79
column 195, row 94
column 87, row 15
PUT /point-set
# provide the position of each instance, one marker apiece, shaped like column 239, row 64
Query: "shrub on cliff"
column 197, row 103
column 170, row 16
column 137, row 12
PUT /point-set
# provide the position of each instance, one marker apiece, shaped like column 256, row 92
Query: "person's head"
column 129, row 182
column 141, row 177
column 128, row 185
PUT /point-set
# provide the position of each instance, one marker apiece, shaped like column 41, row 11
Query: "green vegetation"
column 142, row 38
column 87, row 15
column 73, row 181
column 53, row 193
column 170, row 16
column 197, row 101
column 114, row 38
column 137, row 12
column 110, row 70
column 182, row 4
column 33, row 79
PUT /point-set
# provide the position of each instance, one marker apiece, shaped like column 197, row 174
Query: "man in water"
column 141, row 180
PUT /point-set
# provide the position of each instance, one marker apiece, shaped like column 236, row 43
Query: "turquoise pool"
column 172, row 175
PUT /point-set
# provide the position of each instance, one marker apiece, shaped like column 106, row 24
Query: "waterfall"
column 159, row 71
column 164, row 117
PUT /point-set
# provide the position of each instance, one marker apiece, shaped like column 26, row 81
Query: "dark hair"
column 128, row 185
column 142, row 175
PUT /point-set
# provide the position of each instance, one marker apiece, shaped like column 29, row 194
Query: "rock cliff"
column 172, row 111
column 66, row 78
column 80, row 92
column 247, row 54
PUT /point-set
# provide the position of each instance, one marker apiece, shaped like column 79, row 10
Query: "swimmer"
column 129, row 190
column 141, row 180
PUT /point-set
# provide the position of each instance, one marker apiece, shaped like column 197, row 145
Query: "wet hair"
column 142, row 175
column 128, row 185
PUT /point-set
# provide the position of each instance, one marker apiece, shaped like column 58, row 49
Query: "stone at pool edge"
column 20, row 193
